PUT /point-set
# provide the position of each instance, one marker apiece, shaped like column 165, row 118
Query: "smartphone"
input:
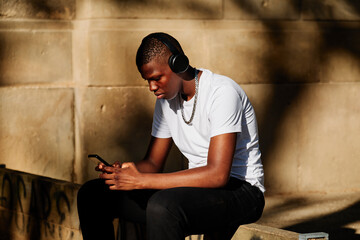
column 99, row 158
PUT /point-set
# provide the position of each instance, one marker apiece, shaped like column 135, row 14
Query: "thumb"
column 126, row 165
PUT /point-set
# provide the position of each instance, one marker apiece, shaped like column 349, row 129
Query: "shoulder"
column 218, row 81
column 220, row 85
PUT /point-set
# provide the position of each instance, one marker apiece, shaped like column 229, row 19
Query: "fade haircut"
column 152, row 48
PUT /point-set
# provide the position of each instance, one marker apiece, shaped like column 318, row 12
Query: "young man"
column 212, row 122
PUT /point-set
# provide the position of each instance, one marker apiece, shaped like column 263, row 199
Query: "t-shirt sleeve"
column 160, row 129
column 226, row 111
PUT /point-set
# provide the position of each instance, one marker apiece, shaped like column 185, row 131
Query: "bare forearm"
column 145, row 174
column 197, row 177
column 156, row 155
column 146, row 166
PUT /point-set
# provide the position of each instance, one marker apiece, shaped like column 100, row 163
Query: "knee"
column 162, row 206
column 90, row 191
column 164, row 216
column 157, row 206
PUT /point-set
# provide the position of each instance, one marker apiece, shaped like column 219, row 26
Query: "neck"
column 189, row 74
column 188, row 88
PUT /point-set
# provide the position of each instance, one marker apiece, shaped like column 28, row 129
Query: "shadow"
column 313, row 213
column 200, row 8
column 288, row 205
column 334, row 37
column 281, row 64
column 333, row 224
column 279, row 68
column 323, row 11
column 39, row 9
column 34, row 207
column 287, row 86
column 6, row 201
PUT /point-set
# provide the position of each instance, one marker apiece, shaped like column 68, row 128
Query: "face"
column 162, row 81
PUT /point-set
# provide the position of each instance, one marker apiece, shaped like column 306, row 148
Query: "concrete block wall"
column 69, row 85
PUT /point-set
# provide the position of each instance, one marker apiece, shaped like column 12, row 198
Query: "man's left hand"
column 125, row 177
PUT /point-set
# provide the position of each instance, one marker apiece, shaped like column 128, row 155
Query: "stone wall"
column 69, row 85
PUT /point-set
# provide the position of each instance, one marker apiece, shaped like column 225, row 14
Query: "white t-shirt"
column 222, row 107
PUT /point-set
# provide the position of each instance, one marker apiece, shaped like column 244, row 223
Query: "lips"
column 159, row 96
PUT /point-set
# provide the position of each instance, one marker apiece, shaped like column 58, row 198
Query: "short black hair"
column 151, row 48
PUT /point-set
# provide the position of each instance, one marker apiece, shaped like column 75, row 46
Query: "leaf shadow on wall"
column 332, row 37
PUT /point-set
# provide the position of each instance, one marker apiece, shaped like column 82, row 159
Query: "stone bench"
column 259, row 232
column 36, row 207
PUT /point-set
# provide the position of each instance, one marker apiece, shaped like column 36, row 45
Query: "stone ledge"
column 256, row 231
column 45, row 208
column 36, row 207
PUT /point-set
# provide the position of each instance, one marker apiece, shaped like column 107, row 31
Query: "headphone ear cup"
column 178, row 63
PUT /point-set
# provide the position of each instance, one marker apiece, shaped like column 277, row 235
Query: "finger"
column 110, row 182
column 106, row 176
column 126, row 164
column 100, row 167
column 118, row 187
column 117, row 164
column 114, row 187
column 109, row 169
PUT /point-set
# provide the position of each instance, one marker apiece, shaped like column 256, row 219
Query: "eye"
column 155, row 78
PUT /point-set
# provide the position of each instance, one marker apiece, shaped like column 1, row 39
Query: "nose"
column 152, row 86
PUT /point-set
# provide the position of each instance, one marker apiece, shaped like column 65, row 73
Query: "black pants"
column 171, row 213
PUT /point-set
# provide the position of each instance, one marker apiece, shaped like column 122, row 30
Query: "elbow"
column 219, row 177
column 221, row 180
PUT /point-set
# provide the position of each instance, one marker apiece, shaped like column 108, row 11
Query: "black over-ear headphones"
column 178, row 61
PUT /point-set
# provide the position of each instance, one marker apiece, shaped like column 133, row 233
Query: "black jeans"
column 171, row 213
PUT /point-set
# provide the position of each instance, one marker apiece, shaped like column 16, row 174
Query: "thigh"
column 133, row 205
column 205, row 210
column 96, row 198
